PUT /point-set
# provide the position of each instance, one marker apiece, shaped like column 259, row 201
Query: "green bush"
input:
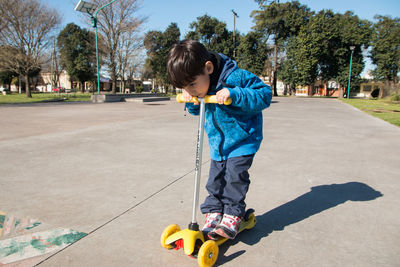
column 138, row 89
column 395, row 97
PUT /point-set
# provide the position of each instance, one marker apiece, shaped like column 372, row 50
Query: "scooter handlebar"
column 208, row 99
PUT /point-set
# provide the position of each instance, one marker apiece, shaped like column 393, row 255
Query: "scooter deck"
column 246, row 224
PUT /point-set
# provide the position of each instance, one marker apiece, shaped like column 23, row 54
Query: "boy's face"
column 199, row 87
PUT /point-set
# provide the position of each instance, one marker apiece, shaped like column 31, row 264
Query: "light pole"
column 89, row 8
column 351, row 59
column 234, row 32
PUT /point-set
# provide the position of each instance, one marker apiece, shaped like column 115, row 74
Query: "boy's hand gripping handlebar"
column 208, row 99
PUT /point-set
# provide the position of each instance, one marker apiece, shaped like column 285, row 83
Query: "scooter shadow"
column 319, row 199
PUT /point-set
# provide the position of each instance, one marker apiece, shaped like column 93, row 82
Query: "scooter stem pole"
column 199, row 155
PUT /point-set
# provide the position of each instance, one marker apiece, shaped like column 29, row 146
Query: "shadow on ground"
column 319, row 199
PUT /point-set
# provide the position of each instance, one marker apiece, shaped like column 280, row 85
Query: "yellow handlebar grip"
column 180, row 99
column 208, row 99
column 212, row 99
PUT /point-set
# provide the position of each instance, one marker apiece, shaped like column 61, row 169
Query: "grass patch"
column 384, row 109
column 43, row 97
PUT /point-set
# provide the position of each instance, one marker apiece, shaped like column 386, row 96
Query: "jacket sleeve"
column 192, row 108
column 249, row 94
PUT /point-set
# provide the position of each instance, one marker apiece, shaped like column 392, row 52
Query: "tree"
column 112, row 22
column 314, row 48
column 26, row 26
column 213, row 34
column 288, row 73
column 7, row 76
column 281, row 20
column 128, row 52
column 320, row 50
column 252, row 53
column 78, row 57
column 353, row 32
column 385, row 52
column 303, row 54
column 153, row 65
column 55, row 66
column 158, row 44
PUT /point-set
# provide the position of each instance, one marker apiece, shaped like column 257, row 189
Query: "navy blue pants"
column 227, row 186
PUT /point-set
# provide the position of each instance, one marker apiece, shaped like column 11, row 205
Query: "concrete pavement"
column 324, row 185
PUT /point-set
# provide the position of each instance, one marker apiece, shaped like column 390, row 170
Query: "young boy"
column 234, row 131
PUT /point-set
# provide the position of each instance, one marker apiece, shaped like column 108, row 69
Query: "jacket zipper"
column 221, row 144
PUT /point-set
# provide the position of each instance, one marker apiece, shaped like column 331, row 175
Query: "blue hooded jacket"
column 235, row 130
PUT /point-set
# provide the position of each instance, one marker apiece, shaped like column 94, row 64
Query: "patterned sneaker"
column 228, row 227
column 212, row 220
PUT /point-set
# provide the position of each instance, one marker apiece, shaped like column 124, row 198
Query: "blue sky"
column 161, row 13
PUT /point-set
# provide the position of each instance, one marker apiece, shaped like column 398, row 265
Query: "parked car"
column 58, row 90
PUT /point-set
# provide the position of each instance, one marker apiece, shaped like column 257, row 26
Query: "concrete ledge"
column 154, row 99
column 105, row 98
column 128, row 97
column 147, row 99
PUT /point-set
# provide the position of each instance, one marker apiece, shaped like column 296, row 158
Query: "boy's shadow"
column 320, row 198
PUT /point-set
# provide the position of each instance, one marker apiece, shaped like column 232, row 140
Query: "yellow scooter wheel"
column 169, row 230
column 208, row 254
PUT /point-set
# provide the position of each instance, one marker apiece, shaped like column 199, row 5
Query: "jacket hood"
column 228, row 65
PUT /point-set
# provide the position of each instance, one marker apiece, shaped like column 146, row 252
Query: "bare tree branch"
column 117, row 23
column 26, row 26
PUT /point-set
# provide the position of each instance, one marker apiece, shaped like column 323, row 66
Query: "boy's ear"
column 209, row 67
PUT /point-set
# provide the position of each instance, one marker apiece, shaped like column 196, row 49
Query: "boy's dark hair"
column 186, row 60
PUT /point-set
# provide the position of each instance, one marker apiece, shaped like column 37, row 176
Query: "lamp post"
column 90, row 8
column 234, row 32
column 351, row 59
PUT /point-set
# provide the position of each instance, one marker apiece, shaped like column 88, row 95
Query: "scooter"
column 192, row 239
